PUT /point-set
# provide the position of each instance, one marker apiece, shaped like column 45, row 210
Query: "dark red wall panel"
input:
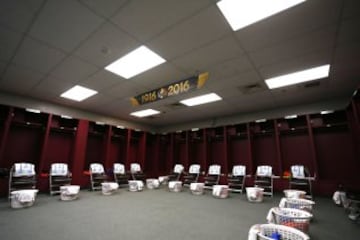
column 336, row 161
column 264, row 152
column 295, row 149
column 94, row 151
column 239, row 153
column 23, row 145
column 59, row 149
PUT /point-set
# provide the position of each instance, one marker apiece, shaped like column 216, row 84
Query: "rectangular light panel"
column 135, row 62
column 298, row 77
column 290, row 116
column 326, row 112
column 144, row 113
column 242, row 13
column 32, row 110
column 78, row 93
column 207, row 98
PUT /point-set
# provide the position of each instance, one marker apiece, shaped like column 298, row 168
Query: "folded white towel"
column 254, row 230
column 270, row 216
column 282, row 202
column 25, row 197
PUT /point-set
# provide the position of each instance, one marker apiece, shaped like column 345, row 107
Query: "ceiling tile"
column 160, row 76
column 209, row 55
column 346, row 64
column 230, row 68
column 145, row 19
column 106, row 45
column 63, row 32
column 126, row 90
column 292, row 23
column 300, row 95
column 51, row 86
column 40, row 57
column 351, row 8
column 303, row 45
column 20, row 80
column 203, row 28
column 104, row 8
column 17, row 14
column 9, row 41
column 256, row 102
column 97, row 101
column 302, row 62
column 347, row 34
column 102, row 80
column 3, row 66
column 74, row 70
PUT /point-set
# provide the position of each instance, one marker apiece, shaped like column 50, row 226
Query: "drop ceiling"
column 46, row 47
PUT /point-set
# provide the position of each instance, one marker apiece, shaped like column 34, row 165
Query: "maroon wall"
column 329, row 145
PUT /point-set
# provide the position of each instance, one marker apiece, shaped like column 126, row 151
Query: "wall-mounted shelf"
column 63, row 124
column 262, row 128
column 328, row 122
column 23, row 118
column 118, row 133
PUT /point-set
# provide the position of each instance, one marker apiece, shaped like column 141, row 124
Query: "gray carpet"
column 157, row 214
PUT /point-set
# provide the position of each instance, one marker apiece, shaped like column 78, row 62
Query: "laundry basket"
column 298, row 203
column 293, row 193
column 266, row 231
column 290, row 217
column 255, row 194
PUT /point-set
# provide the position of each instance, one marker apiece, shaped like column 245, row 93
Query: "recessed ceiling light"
column 66, row 117
column 120, row 126
column 327, row 112
column 135, row 62
column 290, row 116
column 298, row 77
column 144, row 113
column 99, row 123
column 261, row 120
column 33, row 110
column 207, row 98
column 240, row 14
column 78, row 93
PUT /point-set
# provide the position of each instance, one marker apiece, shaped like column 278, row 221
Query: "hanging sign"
column 174, row 89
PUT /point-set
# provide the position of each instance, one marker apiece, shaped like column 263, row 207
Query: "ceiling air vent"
column 251, row 88
column 175, row 105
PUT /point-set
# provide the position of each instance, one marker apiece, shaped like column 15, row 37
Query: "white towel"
column 140, row 185
column 25, row 197
column 270, row 216
column 254, row 230
column 72, row 191
column 282, row 202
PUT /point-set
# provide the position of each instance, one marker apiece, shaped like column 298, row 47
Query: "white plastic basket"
column 293, row 193
column 23, row 198
column 255, row 194
column 152, row 183
column 264, row 232
column 220, row 191
column 69, row 192
column 175, row 186
column 290, row 217
column 197, row 188
column 108, row 188
column 297, row 203
column 135, row 185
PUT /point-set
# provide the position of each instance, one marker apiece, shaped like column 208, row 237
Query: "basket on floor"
column 290, row 217
column 294, row 193
column 267, row 232
column 298, row 203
